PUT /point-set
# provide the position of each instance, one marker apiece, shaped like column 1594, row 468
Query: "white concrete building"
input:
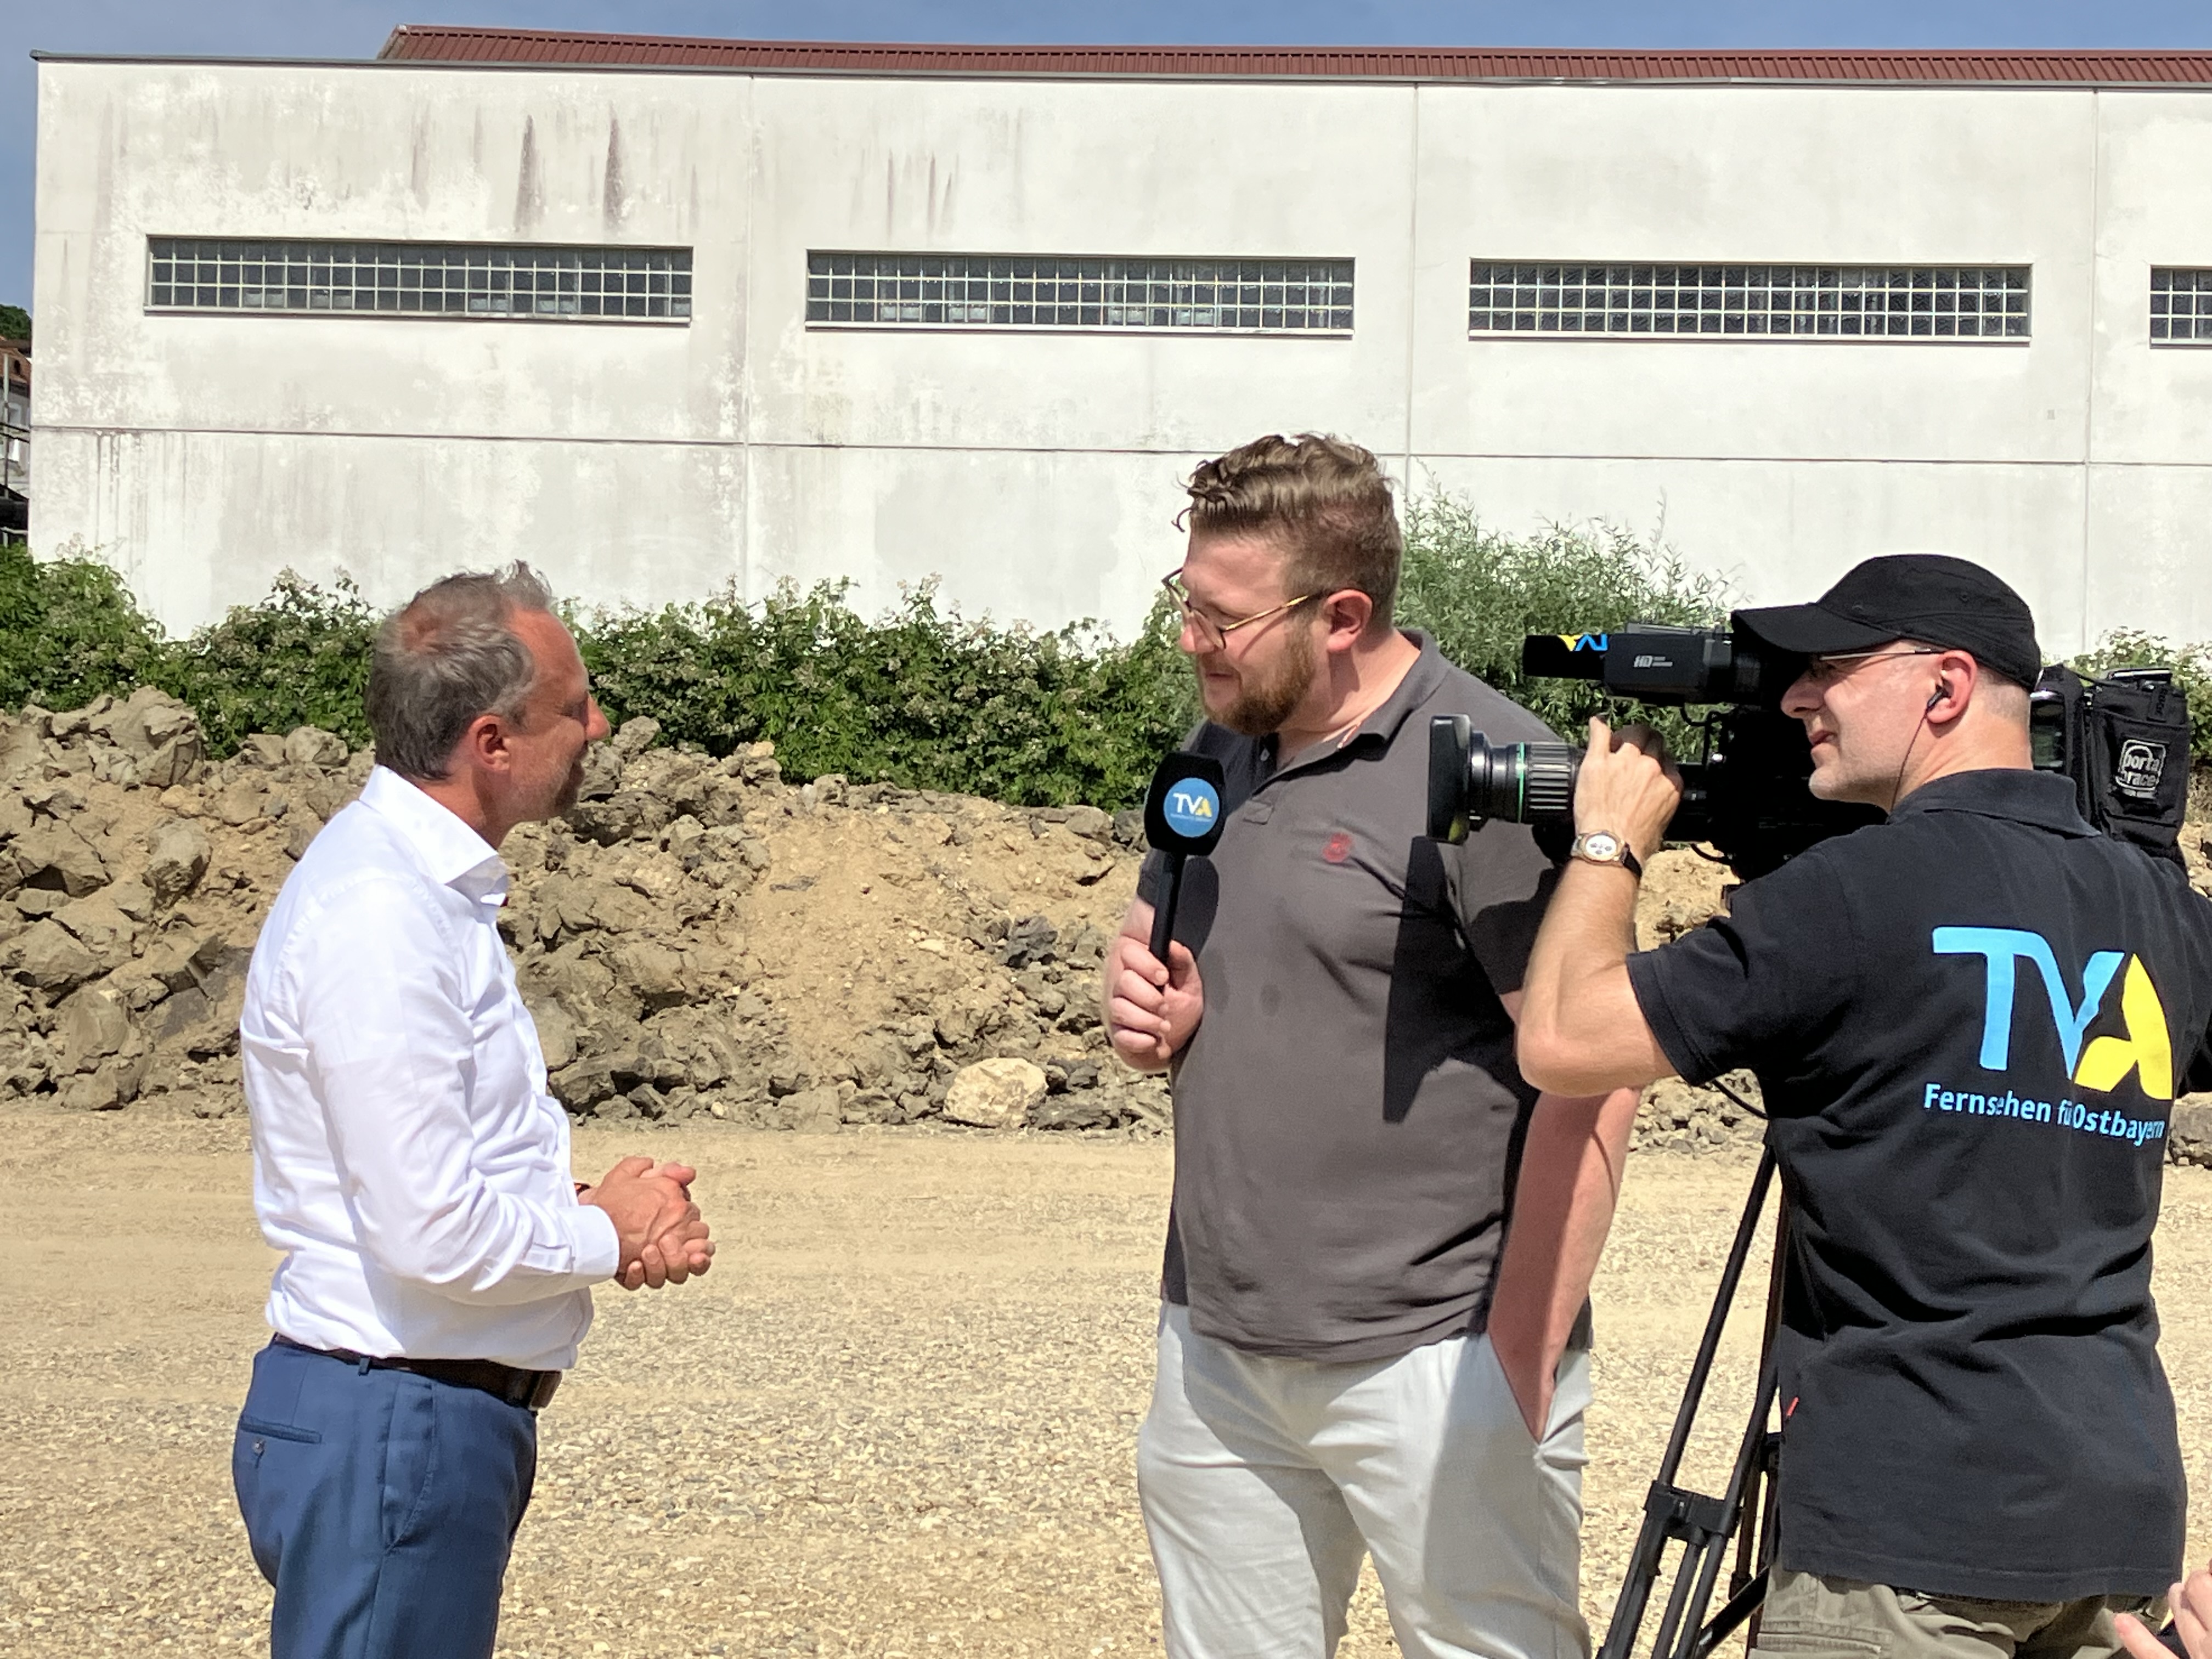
column 363, row 316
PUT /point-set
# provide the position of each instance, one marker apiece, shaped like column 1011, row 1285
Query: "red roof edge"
column 442, row 44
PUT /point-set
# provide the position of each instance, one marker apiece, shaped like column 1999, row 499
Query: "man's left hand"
column 1627, row 786
column 1520, row 1349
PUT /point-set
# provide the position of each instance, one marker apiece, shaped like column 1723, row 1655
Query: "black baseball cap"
column 1929, row 597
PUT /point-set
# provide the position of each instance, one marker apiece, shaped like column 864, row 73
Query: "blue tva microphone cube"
column 1182, row 820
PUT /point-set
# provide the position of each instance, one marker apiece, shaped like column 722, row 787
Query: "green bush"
column 69, row 631
column 1480, row 591
column 298, row 658
column 921, row 697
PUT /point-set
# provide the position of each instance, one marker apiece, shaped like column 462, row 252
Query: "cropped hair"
column 1325, row 499
column 446, row 657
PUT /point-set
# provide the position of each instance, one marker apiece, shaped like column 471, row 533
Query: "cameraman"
column 1969, row 1023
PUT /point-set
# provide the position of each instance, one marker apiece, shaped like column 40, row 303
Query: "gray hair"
column 447, row 656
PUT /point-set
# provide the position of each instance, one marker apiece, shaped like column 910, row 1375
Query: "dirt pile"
column 697, row 937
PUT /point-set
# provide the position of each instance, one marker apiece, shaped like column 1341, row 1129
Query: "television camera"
column 2124, row 739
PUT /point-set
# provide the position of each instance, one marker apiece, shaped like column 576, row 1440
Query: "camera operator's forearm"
column 1582, row 1029
column 1563, row 1205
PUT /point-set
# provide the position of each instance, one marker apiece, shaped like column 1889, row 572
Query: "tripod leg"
column 1670, row 1514
column 1755, row 1541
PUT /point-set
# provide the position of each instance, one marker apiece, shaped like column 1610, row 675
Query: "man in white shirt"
column 410, row 1162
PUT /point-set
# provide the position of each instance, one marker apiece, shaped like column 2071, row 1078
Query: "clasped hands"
column 662, row 1237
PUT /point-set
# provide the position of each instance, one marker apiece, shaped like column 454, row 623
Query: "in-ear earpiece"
column 1942, row 690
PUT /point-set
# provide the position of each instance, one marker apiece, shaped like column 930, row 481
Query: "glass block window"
column 1890, row 302
column 420, row 279
column 2181, row 307
column 959, row 290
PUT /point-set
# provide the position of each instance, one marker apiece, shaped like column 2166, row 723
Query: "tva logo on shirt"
column 2146, row 1049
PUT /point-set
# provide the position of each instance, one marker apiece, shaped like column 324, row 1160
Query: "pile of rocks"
column 672, row 967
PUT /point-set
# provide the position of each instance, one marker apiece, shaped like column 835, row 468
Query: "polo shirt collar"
column 2043, row 799
column 1422, row 681
column 451, row 853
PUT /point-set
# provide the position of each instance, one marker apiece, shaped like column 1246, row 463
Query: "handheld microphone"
column 1182, row 819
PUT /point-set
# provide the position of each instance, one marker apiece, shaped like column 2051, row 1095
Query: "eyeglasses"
column 1827, row 670
column 1214, row 636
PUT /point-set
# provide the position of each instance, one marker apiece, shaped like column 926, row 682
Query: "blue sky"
column 351, row 28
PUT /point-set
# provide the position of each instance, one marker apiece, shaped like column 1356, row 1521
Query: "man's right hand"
column 1152, row 1009
column 662, row 1239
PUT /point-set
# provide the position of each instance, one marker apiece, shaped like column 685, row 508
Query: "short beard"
column 1263, row 705
column 572, row 788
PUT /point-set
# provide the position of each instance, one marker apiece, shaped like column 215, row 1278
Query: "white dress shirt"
column 407, row 1158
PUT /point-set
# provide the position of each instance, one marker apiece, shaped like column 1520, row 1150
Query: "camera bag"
column 2126, row 746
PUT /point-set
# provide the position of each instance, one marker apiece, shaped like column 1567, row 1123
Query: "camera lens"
column 1524, row 782
column 1471, row 782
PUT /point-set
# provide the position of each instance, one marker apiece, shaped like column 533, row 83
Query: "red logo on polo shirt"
column 1339, row 848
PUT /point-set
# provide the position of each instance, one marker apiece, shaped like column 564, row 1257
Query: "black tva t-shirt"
column 1970, row 1023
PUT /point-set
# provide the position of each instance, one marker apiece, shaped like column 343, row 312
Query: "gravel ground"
column 895, row 1420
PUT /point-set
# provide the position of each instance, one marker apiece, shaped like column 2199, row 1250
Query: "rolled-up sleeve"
column 389, row 1049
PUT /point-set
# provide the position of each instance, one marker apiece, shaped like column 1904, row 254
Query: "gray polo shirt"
column 1348, row 1114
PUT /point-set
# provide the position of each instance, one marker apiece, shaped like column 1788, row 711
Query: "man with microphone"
column 1357, row 1355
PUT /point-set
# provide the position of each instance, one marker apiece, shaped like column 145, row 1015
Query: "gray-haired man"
column 408, row 1162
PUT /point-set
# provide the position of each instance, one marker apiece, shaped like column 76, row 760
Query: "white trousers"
column 1264, row 1481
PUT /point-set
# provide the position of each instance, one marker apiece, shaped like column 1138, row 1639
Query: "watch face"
column 1602, row 846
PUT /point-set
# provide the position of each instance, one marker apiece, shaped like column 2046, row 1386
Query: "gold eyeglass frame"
column 1219, row 632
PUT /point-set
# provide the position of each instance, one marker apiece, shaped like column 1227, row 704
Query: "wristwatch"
column 1603, row 847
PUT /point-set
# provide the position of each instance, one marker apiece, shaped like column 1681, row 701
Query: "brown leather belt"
column 531, row 1390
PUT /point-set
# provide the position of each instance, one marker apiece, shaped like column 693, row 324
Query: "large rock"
column 22, row 744
column 94, row 1024
column 1091, row 824
column 98, row 923
column 626, row 813
column 653, row 971
column 179, row 859
column 53, row 855
column 556, row 1033
column 310, row 745
column 48, row 958
column 636, row 736
column 995, row 1094
column 816, row 1111
column 242, row 802
column 160, row 734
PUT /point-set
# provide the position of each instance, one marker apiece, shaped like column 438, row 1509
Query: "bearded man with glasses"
column 1358, row 1355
